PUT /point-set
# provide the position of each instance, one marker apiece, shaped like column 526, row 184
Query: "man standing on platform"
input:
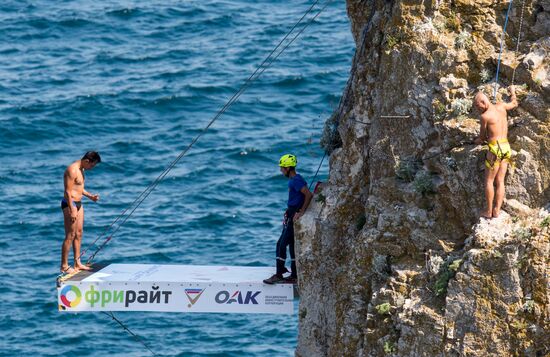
column 73, row 212
column 299, row 198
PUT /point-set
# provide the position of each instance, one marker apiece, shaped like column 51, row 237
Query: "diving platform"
column 174, row 288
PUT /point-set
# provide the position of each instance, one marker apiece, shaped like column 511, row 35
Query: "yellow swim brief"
column 502, row 151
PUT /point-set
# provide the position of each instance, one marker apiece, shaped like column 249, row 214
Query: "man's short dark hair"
column 92, row 156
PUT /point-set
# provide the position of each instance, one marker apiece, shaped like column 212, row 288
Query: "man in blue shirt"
column 299, row 198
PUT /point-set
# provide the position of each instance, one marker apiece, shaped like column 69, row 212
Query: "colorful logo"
column 70, row 296
column 193, row 295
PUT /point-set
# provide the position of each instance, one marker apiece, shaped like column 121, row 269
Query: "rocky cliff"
column 392, row 256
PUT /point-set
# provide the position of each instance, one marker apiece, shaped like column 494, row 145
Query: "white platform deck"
column 175, row 288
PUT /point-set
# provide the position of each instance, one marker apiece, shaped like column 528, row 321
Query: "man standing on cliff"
column 494, row 132
column 73, row 211
column 299, row 198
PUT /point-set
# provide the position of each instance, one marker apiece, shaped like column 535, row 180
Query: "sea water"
column 136, row 81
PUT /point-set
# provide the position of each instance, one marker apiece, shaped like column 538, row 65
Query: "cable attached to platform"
column 127, row 329
column 266, row 63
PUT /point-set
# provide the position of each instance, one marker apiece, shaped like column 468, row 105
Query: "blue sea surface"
column 136, row 81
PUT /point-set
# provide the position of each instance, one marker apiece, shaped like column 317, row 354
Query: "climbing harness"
column 501, row 150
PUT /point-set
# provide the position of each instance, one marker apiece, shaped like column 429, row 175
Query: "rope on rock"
column 501, row 49
column 518, row 41
column 317, row 172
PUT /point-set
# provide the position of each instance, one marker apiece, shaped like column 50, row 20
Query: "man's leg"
column 500, row 191
column 70, row 228
column 78, row 240
column 281, row 252
column 490, row 174
column 280, row 260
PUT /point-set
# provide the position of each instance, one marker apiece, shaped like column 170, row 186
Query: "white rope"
column 518, row 40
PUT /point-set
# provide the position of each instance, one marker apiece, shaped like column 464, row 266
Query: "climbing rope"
column 444, row 151
column 349, row 84
column 501, row 49
column 344, row 97
column 317, row 172
column 267, row 62
column 518, row 41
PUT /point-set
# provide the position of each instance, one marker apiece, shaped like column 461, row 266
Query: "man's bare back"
column 494, row 117
column 496, row 120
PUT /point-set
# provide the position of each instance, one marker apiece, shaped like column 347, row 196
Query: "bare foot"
column 496, row 212
column 80, row 266
column 68, row 270
column 485, row 214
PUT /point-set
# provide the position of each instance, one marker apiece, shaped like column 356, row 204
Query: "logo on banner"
column 193, row 295
column 70, row 296
column 224, row 297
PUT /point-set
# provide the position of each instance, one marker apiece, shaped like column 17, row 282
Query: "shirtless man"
column 73, row 211
column 494, row 133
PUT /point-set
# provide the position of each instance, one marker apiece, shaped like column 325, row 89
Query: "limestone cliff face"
column 393, row 259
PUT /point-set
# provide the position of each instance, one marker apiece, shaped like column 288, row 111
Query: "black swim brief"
column 77, row 204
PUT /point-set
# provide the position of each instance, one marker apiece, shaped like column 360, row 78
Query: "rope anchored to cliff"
column 519, row 38
column 502, row 44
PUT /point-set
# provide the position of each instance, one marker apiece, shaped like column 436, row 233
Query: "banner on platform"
column 75, row 296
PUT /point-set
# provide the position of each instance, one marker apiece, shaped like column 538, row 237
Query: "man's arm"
column 68, row 182
column 93, row 197
column 513, row 100
column 482, row 131
column 308, row 196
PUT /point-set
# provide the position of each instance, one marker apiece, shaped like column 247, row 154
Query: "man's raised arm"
column 513, row 100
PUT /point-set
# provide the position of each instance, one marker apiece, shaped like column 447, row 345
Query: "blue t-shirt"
column 295, row 197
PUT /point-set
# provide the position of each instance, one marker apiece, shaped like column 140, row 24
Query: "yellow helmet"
column 288, row 160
